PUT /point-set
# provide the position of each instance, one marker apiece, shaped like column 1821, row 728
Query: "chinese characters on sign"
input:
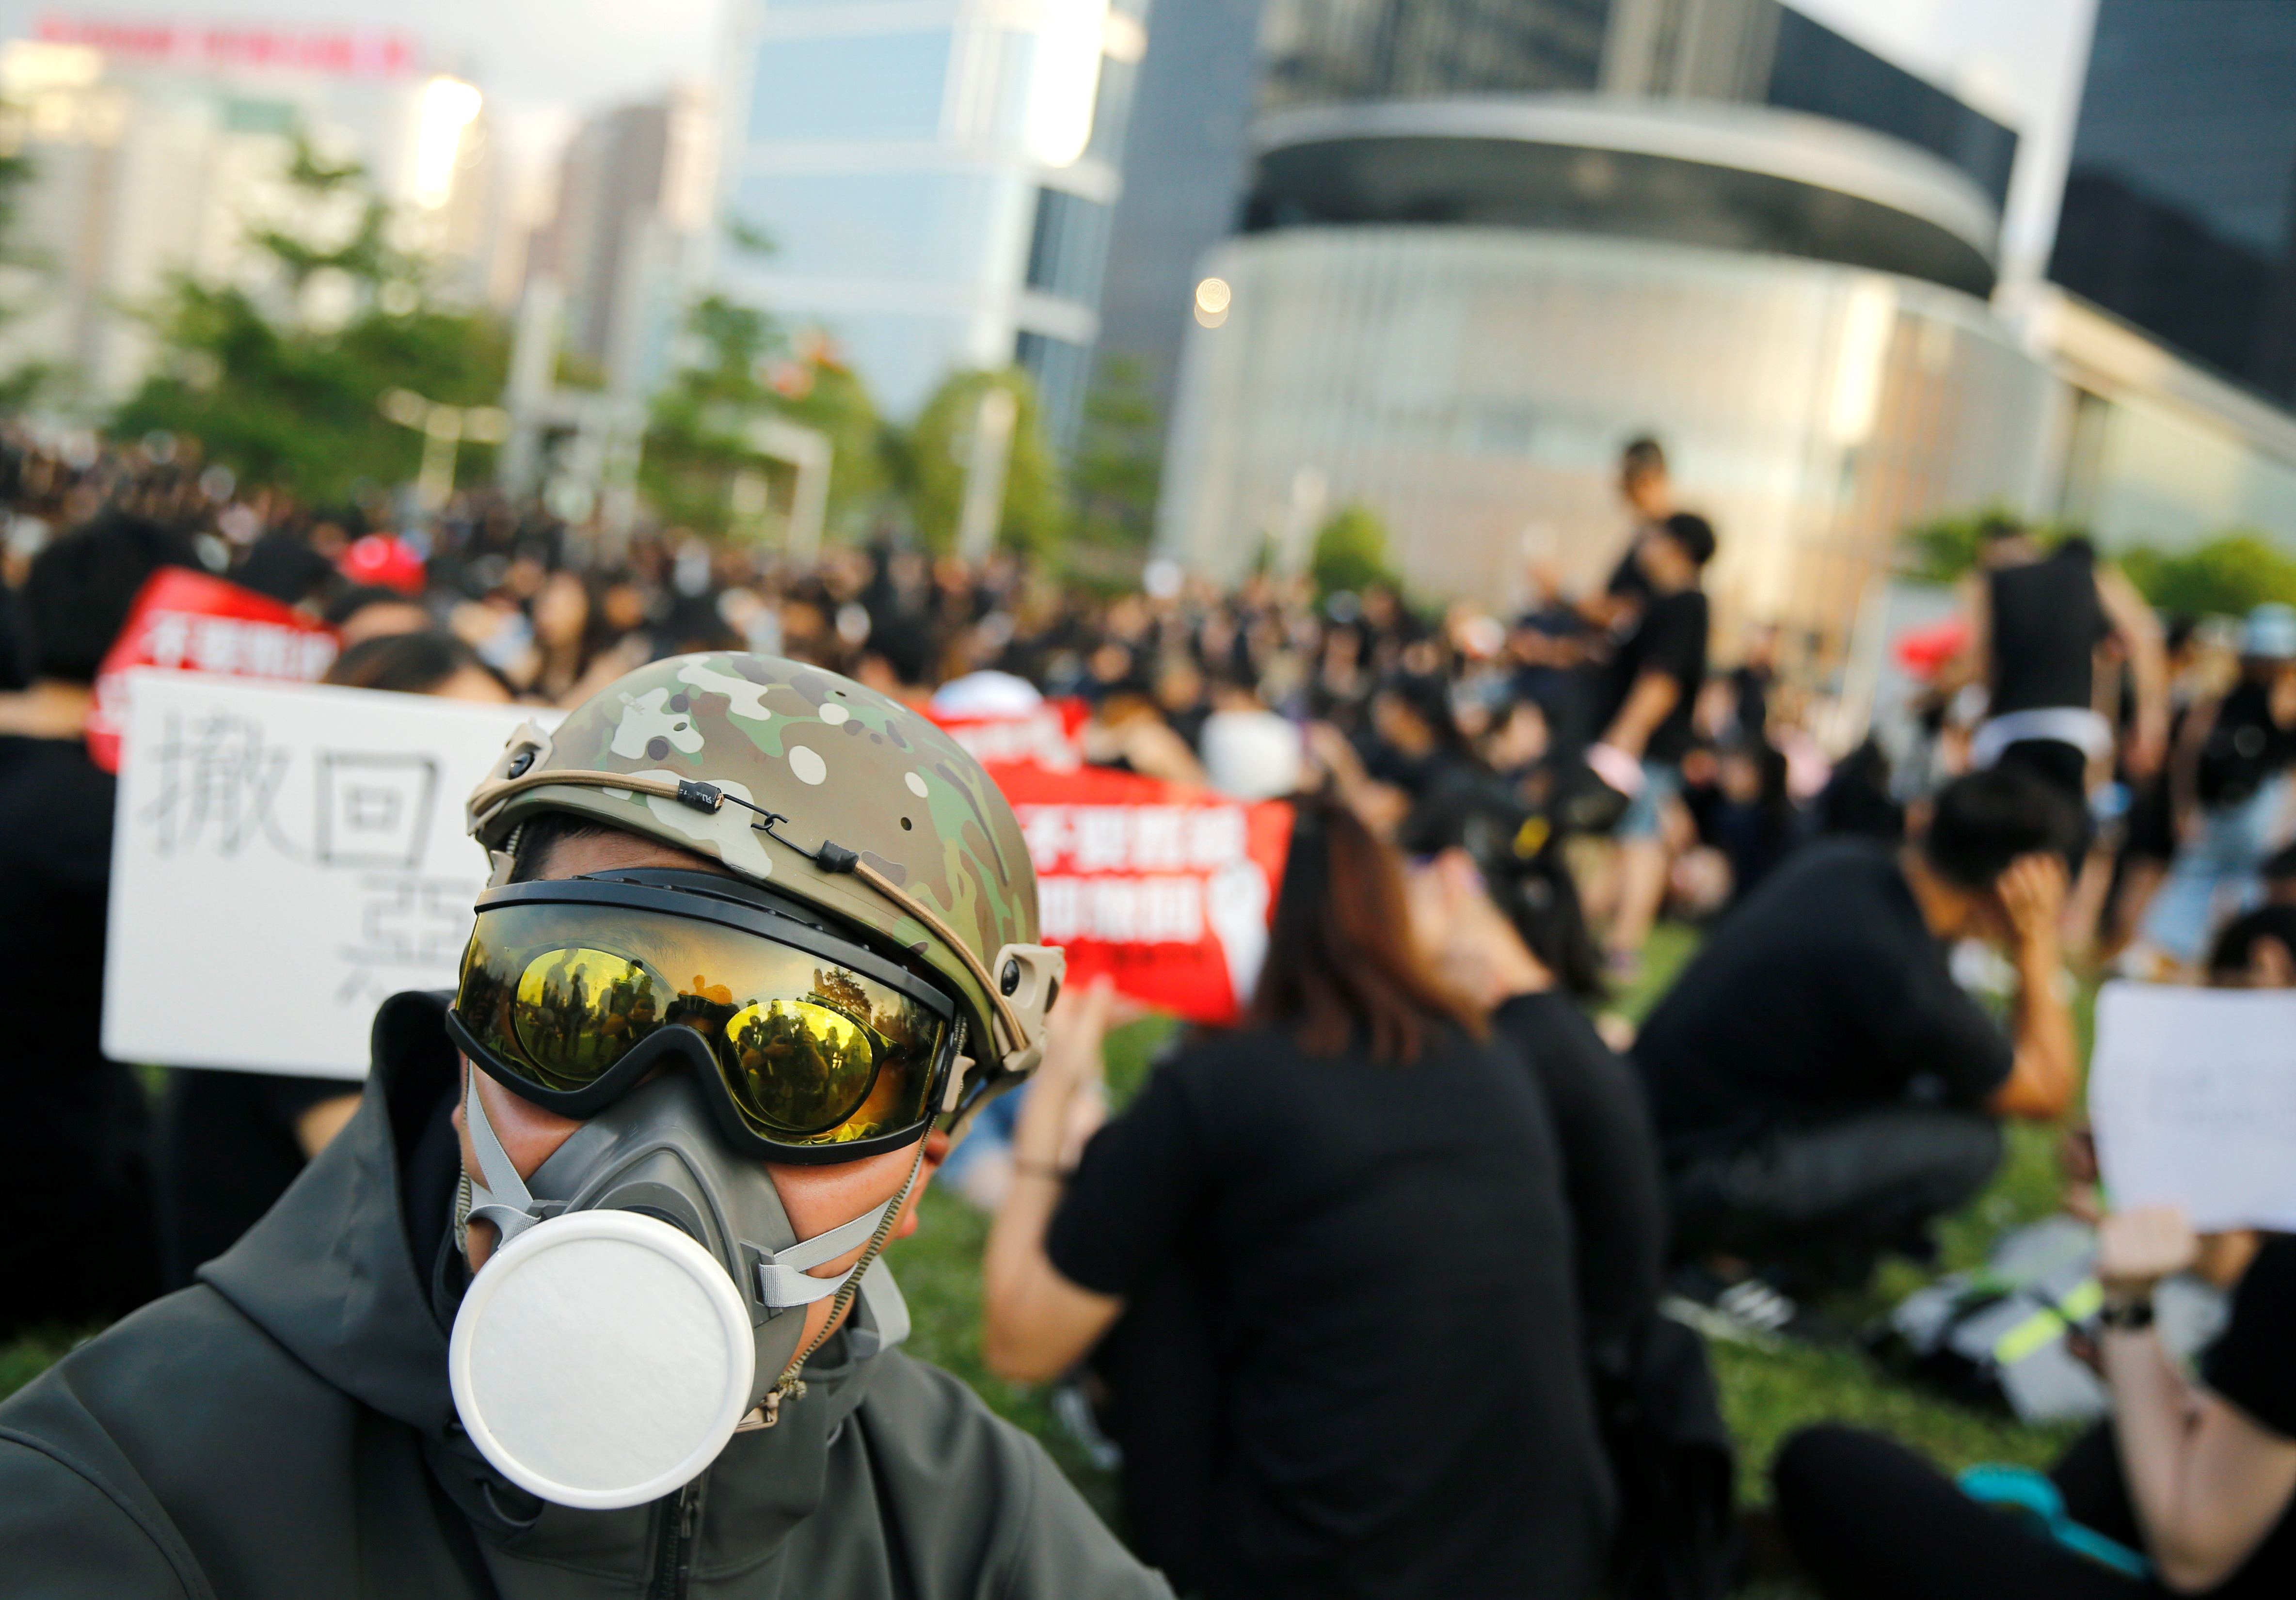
column 307, row 839
column 186, row 621
column 1167, row 890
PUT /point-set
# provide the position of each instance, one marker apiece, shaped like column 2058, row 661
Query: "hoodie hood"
column 331, row 1272
column 341, row 1272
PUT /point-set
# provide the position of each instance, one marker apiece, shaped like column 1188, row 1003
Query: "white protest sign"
column 2193, row 1092
column 283, row 857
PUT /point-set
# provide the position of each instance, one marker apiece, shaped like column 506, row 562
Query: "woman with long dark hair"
column 1372, row 1384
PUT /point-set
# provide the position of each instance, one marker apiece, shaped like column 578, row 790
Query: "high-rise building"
column 931, row 184
column 2180, row 203
column 1480, row 244
column 2171, row 315
column 155, row 148
column 633, row 196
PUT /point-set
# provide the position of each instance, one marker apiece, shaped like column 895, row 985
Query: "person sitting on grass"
column 2200, row 1477
column 1823, row 1088
column 1346, row 1223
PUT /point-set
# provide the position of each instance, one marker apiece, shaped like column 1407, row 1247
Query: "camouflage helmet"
column 829, row 792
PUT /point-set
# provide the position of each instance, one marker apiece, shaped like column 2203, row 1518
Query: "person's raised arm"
column 1035, row 1324
column 1973, row 662
column 2206, row 1483
column 2139, row 629
column 2046, row 1070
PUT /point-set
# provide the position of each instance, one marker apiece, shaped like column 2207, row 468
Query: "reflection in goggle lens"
column 801, row 1067
column 580, row 1012
column 798, row 1066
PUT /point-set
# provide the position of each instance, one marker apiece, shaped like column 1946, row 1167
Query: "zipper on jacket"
column 678, row 1519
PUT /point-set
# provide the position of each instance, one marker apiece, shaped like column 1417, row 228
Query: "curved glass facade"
column 1506, row 182
column 1472, row 386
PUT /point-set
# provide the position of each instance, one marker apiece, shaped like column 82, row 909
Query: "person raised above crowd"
column 2037, row 618
column 1823, row 1087
column 1653, row 689
column 466, row 1355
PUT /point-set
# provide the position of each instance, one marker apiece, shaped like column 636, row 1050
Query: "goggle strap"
column 490, row 797
column 1016, row 1036
column 783, row 1282
column 504, row 1198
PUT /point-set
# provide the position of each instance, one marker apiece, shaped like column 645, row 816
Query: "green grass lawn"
column 1766, row 1394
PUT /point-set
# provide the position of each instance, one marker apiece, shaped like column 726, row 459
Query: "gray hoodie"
column 283, row 1429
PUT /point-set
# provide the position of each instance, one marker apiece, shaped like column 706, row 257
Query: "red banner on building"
column 1167, row 890
column 188, row 621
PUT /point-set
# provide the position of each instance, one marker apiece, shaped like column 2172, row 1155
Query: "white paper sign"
column 2193, row 1092
column 283, row 857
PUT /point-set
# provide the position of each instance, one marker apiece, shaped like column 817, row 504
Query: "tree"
column 1350, row 551
column 745, row 368
column 1942, row 549
column 940, row 446
column 2226, row 576
column 1120, row 458
column 280, row 380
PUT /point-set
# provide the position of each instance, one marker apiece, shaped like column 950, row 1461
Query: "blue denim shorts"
column 1646, row 814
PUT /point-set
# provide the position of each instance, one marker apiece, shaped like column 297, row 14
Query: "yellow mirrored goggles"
column 572, row 991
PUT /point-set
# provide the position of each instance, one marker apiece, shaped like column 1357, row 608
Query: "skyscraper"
column 931, row 185
column 2180, row 202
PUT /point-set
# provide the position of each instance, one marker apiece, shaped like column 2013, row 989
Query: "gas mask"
column 646, row 1295
column 646, row 1298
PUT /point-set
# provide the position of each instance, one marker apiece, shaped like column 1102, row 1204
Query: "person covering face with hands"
column 585, row 1299
column 1823, row 1086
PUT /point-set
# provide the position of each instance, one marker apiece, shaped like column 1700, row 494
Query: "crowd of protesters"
column 1510, row 799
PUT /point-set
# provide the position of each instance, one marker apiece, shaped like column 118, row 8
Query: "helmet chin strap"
column 791, row 1385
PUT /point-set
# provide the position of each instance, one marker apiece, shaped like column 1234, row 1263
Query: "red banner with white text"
column 189, row 621
column 1167, row 890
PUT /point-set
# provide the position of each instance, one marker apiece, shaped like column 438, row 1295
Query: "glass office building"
column 2180, row 201
column 929, row 183
column 1456, row 312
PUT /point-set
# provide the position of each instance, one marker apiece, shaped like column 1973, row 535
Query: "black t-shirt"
column 1385, row 1264
column 1821, row 994
column 2047, row 622
column 1610, row 1159
column 1669, row 638
column 74, row 1141
column 2246, row 747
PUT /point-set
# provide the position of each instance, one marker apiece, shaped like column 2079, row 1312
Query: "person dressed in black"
column 1821, row 1084
column 1654, row 679
column 2037, row 619
column 1367, row 1196
column 75, row 1143
column 2197, row 1478
column 1497, row 913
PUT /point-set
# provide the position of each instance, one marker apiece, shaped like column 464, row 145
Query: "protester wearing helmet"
column 584, row 1301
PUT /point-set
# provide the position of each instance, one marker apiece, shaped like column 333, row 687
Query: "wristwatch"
column 2126, row 1315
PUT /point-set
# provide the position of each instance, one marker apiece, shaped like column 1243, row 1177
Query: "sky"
column 546, row 64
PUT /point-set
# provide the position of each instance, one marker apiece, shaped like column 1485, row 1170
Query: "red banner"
column 1045, row 736
column 1167, row 890
column 191, row 622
